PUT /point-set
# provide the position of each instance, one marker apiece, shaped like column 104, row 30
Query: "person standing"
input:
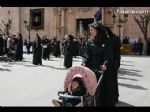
column 140, row 46
column 116, row 61
column 99, row 56
column 19, row 50
column 76, row 48
column 64, row 44
column 37, row 51
column 135, row 48
column 10, row 47
column 68, row 52
column 56, row 48
column 148, row 47
column 125, row 40
column 45, row 42
column 5, row 43
column 28, row 47
column 1, row 45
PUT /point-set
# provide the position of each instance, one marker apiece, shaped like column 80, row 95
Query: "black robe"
column 140, row 47
column 46, row 50
column 68, row 54
column 37, row 52
column 116, row 64
column 19, row 49
column 1, row 46
column 148, row 47
column 94, row 56
column 56, row 49
column 76, row 48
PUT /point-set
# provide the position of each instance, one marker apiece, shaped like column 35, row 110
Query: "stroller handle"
column 98, row 71
column 69, row 96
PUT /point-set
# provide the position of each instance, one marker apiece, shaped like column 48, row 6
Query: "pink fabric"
column 88, row 77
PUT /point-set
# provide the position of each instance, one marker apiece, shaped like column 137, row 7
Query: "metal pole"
column 119, row 31
column 29, row 28
column 29, row 35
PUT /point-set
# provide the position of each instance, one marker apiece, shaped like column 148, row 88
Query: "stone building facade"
column 59, row 21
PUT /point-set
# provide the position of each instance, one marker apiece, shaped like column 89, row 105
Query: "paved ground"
column 24, row 84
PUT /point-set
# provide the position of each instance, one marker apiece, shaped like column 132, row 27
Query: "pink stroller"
column 90, row 82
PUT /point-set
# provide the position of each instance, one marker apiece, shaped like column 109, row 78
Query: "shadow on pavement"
column 54, row 67
column 127, row 78
column 2, row 69
column 25, row 61
column 6, row 65
column 128, row 72
column 123, row 104
column 127, row 61
column 52, row 60
column 132, row 86
column 30, row 65
column 126, row 65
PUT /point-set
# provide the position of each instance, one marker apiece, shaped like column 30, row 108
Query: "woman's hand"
column 103, row 67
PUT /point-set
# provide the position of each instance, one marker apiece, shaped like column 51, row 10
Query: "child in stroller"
column 11, row 55
column 76, row 89
column 80, row 85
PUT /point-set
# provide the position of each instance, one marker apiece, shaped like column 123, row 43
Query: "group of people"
column 12, row 45
column 70, row 47
column 44, row 47
column 102, row 52
column 138, row 47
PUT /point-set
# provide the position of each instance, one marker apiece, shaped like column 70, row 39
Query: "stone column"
column 55, row 12
column 20, row 19
column 62, row 22
column 103, row 14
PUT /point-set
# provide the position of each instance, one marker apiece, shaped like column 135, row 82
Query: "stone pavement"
column 25, row 84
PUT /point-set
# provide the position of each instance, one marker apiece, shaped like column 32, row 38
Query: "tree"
column 143, row 22
column 7, row 26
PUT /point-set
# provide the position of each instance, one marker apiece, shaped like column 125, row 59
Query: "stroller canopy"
column 88, row 77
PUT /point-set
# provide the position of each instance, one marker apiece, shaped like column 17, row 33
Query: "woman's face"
column 93, row 32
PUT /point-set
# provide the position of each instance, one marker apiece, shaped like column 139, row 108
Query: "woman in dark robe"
column 46, row 50
column 19, row 49
column 76, row 48
column 116, row 61
column 99, row 56
column 68, row 53
column 1, row 45
column 57, row 52
column 37, row 51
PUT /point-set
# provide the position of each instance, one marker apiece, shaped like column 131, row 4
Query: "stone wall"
column 53, row 20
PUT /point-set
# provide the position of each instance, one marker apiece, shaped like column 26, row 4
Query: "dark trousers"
column 148, row 51
column 28, row 50
column 140, row 51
